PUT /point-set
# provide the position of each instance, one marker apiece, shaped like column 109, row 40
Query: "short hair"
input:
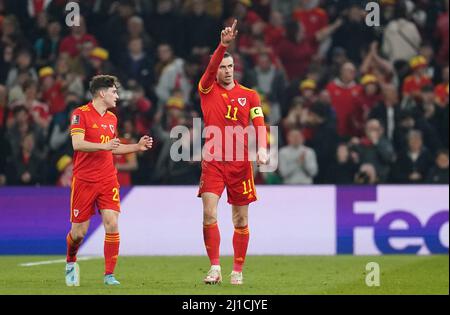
column 100, row 82
column 227, row 54
column 415, row 133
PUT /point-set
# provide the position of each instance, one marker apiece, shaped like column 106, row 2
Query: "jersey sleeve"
column 207, row 81
column 77, row 123
column 257, row 117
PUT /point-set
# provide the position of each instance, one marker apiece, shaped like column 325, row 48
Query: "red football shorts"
column 237, row 177
column 86, row 196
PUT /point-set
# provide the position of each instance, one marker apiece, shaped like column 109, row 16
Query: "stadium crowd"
column 354, row 103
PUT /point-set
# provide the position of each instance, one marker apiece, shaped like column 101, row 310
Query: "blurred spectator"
column 443, row 36
column 165, row 24
column 432, row 113
column 297, row 163
column 267, row 79
column 38, row 111
column 342, row 171
column 354, row 35
column 52, row 90
column 137, row 65
column 432, row 69
column 308, row 89
column 196, row 21
column 438, row 174
column 23, row 65
column 64, row 167
column 375, row 149
column 11, row 33
column 387, row 111
column 401, row 38
column 71, row 82
column 139, row 110
column 27, row 168
column 413, row 164
column 46, row 46
column 6, row 62
column 313, row 19
column 441, row 90
column 136, row 30
column 324, row 138
column 345, row 98
column 275, row 30
column 178, row 75
column 72, row 43
column 20, row 125
column 114, row 32
column 285, row 7
column 99, row 62
column 371, row 95
column 295, row 51
column 413, row 84
column 374, row 64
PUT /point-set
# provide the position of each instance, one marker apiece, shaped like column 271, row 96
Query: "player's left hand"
column 145, row 143
column 262, row 157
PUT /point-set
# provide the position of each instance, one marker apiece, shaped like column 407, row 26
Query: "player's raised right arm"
column 226, row 37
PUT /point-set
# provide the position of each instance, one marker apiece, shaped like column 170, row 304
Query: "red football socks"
column 240, row 243
column 211, row 236
column 72, row 248
column 111, row 250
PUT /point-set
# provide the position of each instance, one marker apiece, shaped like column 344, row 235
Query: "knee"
column 111, row 225
column 240, row 221
column 78, row 234
column 209, row 216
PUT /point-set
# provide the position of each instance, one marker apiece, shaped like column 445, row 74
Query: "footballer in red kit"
column 94, row 184
column 227, row 105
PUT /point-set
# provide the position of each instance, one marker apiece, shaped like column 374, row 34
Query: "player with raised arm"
column 94, row 184
column 225, row 103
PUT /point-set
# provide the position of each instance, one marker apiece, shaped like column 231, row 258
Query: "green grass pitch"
column 264, row 275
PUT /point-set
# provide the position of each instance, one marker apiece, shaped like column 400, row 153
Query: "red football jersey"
column 222, row 108
column 93, row 166
column 413, row 84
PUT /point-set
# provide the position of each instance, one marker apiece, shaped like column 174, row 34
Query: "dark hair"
column 442, row 151
column 100, row 82
column 227, row 54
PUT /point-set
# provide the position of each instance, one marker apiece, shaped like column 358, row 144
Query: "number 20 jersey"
column 93, row 166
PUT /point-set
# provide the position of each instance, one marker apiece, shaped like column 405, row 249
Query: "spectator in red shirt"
column 72, row 43
column 345, row 96
column 313, row 19
column 52, row 90
column 275, row 30
column 38, row 111
column 413, row 84
column 371, row 94
column 441, row 90
column 295, row 51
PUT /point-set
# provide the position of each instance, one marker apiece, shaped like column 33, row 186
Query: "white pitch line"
column 57, row 261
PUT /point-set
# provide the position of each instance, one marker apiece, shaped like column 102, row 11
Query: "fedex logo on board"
column 419, row 227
